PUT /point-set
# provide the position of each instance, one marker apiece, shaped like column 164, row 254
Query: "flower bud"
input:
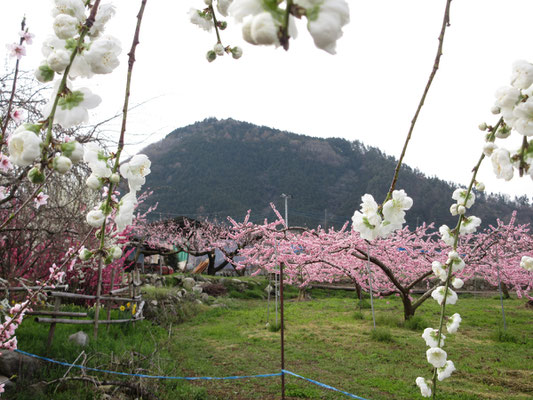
column 503, row 133
column 211, row 56
column 85, row 254
column 480, row 186
column 62, row 164
column 44, row 73
column 72, row 150
column 115, row 252
column 236, row 52
column 219, row 49
column 222, row 25
column 35, row 175
column 482, row 126
column 208, row 2
column 114, row 178
column 453, row 209
column 495, row 110
column 461, row 210
column 93, row 182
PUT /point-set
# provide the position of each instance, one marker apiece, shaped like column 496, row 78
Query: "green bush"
column 381, row 335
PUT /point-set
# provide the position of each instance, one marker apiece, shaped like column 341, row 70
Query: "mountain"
column 223, row 168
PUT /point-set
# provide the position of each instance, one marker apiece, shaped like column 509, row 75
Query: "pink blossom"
column 3, row 192
column 17, row 115
column 17, row 50
column 26, row 36
column 40, row 200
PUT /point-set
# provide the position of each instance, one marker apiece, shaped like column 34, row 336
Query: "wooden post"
column 282, row 332
column 98, row 295
column 57, row 305
column 110, row 303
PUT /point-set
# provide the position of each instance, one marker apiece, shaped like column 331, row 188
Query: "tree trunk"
column 301, row 294
column 211, row 266
column 408, row 309
column 505, row 291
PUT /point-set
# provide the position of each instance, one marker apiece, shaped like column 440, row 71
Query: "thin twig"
column 445, row 24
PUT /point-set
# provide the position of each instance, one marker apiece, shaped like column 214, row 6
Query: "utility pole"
column 286, row 196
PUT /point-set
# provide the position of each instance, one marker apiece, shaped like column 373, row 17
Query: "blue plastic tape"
column 186, row 378
column 353, row 396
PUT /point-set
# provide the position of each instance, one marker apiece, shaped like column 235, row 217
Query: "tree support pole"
column 282, row 333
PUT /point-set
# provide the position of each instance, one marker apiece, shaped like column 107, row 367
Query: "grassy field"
column 329, row 339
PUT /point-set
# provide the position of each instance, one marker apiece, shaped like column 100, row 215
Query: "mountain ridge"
column 218, row 168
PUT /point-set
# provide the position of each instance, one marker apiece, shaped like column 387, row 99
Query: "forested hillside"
column 218, row 168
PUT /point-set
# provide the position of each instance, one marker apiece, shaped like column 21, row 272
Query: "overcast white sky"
column 368, row 91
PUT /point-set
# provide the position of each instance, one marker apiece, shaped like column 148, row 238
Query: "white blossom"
column 97, row 160
column 445, row 371
column 62, row 164
column 457, row 283
column 223, row 6
column 65, row 26
column 326, row 18
column 522, row 76
column 93, row 182
column 524, row 118
column 453, row 324
column 501, row 164
column 95, row 218
column 200, row 19
column 446, row 235
column 438, row 295
column 240, row 9
column 58, row 60
column 394, row 209
column 439, row 270
column 506, row 99
column 457, row 262
column 469, row 225
column 105, row 12
column 425, row 390
column 135, row 171
column 124, row 216
column 367, row 222
column 24, row 147
column 264, row 29
column 430, row 335
column 74, row 8
column 72, row 108
column 460, row 196
column 436, row 357
column 102, row 57
column 527, row 263
column 488, row 148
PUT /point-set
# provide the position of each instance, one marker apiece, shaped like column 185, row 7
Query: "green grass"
column 327, row 339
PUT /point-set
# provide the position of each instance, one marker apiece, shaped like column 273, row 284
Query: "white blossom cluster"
column 134, row 171
column 515, row 104
column 468, row 224
column 371, row 224
column 97, row 55
column 263, row 21
column 436, row 356
column 205, row 19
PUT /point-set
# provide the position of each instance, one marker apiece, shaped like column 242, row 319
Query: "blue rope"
column 353, row 396
column 188, row 378
column 194, row 378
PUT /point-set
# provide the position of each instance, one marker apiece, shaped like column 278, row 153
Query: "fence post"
column 282, row 332
column 57, row 305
